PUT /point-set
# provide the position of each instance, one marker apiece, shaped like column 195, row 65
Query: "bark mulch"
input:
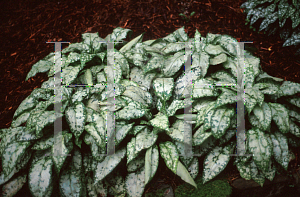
column 26, row 26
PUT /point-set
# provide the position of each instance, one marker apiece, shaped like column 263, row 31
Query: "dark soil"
column 26, row 26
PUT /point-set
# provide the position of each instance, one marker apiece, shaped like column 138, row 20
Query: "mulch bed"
column 26, row 26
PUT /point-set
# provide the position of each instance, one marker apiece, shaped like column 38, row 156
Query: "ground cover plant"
column 276, row 15
column 149, row 91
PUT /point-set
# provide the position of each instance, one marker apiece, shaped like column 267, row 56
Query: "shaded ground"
column 26, row 26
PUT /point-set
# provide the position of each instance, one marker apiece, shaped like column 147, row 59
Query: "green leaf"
column 12, row 153
column 280, row 149
column 113, row 73
column 256, row 175
column 106, row 166
column 280, row 115
column 200, row 136
column 11, row 188
column 271, row 18
column 173, row 63
column 184, row 174
column 219, row 59
column 69, row 74
column 135, row 183
column 138, row 95
column 260, row 147
column 59, row 150
column 282, row 8
column 170, row 155
column 40, row 177
column 208, row 106
column 75, row 116
column 39, row 67
column 226, row 97
column 175, row 105
column 202, row 88
column 9, row 136
column 163, row 88
column 151, row 163
column 136, row 163
column 289, row 88
column 253, row 93
column 177, row 131
column 252, row 69
column 264, row 116
column 215, row 162
column 144, row 80
column 160, row 121
column 71, row 181
column 293, row 40
column 220, row 121
column 121, row 132
column 295, row 101
column 134, row 110
column 143, row 140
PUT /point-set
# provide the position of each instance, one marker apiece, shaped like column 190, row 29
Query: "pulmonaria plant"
column 276, row 15
column 149, row 83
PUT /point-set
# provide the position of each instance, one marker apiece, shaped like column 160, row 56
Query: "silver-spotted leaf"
column 40, row 177
column 259, row 146
column 170, row 155
column 109, row 163
column 216, row 161
column 151, row 163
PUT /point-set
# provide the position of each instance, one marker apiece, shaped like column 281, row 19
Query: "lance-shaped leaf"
column 145, row 80
column 113, row 73
column 177, row 131
column 244, row 169
column 193, row 169
column 71, row 180
column 280, row 115
column 200, row 136
column 170, row 155
column 226, row 97
column 270, row 173
column 263, row 115
column 11, row 188
column 175, row 105
column 294, row 129
column 214, row 49
column 220, row 121
column 216, row 161
column 121, row 132
column 160, row 121
column 252, row 69
column 75, row 117
column 20, row 120
column 143, row 140
column 9, row 135
column 280, row 149
column 202, row 88
column 151, row 163
column 132, row 43
column 228, row 43
column 183, row 173
column 173, row 63
column 40, row 177
column 207, row 107
column 135, row 183
column 260, row 147
column 201, row 60
column 39, row 67
column 271, row 18
column 12, row 153
column 138, row 95
column 133, row 110
column 294, row 100
column 117, row 184
column 93, row 190
column 289, row 88
column 107, row 166
column 218, row 59
column 69, row 74
column 136, row 164
column 59, row 149
column 256, row 175
column 163, row 88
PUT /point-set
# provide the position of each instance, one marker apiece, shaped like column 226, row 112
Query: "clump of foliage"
column 150, row 85
column 281, row 16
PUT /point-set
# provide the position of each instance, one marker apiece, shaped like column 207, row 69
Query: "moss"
column 217, row 188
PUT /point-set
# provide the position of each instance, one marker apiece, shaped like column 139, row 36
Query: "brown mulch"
column 26, row 26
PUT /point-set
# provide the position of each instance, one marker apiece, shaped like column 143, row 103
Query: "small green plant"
column 185, row 17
